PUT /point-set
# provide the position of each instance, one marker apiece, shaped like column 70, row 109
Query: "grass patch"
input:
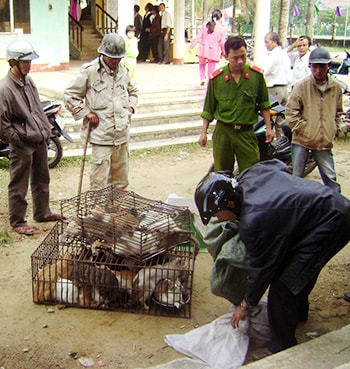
column 4, row 236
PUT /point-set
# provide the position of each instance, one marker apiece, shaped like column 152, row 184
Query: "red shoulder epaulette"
column 216, row 73
column 257, row 69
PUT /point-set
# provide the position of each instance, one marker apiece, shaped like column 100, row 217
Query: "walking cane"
column 84, row 158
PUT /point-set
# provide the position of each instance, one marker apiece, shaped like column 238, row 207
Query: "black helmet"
column 319, row 56
column 112, row 45
column 213, row 192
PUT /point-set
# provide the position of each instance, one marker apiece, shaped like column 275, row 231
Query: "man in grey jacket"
column 313, row 112
column 24, row 125
column 103, row 95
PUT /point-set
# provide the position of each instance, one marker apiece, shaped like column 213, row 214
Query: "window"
column 14, row 14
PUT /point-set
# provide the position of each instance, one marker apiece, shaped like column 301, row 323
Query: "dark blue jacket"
column 291, row 227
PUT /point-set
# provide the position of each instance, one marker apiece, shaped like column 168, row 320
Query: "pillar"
column 125, row 15
column 179, row 32
column 262, row 26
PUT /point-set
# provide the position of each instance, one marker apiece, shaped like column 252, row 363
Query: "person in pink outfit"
column 211, row 38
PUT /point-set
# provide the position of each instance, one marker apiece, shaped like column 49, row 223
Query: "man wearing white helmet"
column 103, row 95
column 24, row 125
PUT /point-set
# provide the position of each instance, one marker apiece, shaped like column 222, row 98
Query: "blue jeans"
column 324, row 161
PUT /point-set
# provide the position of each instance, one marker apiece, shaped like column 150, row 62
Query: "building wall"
column 48, row 35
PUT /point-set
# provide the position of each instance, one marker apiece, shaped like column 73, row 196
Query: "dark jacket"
column 291, row 227
column 155, row 27
column 21, row 112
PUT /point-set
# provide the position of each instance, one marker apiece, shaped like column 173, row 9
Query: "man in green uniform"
column 235, row 95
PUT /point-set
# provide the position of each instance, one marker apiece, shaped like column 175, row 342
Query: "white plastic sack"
column 215, row 343
column 219, row 345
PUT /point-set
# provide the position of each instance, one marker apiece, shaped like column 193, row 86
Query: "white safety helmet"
column 20, row 50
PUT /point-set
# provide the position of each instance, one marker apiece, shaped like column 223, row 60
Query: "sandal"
column 54, row 217
column 25, row 229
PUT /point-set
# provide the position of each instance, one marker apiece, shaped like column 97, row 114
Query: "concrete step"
column 153, row 118
column 151, row 135
column 91, row 40
column 329, row 351
column 164, row 103
column 163, row 117
column 78, row 151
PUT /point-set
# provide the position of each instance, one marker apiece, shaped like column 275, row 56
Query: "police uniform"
column 235, row 107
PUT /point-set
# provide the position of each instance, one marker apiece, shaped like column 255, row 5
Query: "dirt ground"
column 41, row 336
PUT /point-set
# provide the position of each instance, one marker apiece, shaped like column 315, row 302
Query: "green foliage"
column 323, row 25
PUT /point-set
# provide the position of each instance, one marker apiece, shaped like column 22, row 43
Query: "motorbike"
column 281, row 147
column 55, row 151
column 342, row 67
column 345, row 124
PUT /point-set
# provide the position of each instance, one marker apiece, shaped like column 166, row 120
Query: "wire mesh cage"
column 119, row 251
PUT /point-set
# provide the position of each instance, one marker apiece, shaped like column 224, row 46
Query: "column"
column 262, row 26
column 125, row 15
column 179, row 32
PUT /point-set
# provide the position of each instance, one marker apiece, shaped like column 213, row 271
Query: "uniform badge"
column 257, row 69
column 216, row 73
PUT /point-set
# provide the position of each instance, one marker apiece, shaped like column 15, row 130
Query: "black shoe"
column 347, row 296
column 303, row 311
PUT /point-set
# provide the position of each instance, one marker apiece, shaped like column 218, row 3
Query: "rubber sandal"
column 25, row 229
column 53, row 218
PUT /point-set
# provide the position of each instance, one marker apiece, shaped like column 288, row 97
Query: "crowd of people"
column 291, row 226
column 289, row 234
column 154, row 33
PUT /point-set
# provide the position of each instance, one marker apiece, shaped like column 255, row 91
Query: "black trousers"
column 285, row 311
column 144, row 46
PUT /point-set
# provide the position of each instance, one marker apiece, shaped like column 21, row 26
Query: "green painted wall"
column 49, row 31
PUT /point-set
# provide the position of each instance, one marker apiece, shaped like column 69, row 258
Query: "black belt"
column 278, row 86
column 238, row 127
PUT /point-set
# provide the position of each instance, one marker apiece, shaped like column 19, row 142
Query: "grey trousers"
column 28, row 163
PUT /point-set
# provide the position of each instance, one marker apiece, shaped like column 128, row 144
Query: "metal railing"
column 75, row 32
column 105, row 23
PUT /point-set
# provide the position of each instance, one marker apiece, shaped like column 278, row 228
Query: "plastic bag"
column 228, row 277
column 216, row 343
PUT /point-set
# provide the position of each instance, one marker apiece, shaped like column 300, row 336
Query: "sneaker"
column 202, row 82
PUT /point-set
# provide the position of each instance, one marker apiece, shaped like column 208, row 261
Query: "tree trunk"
column 233, row 28
column 283, row 22
column 205, row 11
column 309, row 31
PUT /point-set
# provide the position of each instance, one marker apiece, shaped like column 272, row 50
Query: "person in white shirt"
column 164, row 40
column 276, row 68
column 276, row 71
column 300, row 58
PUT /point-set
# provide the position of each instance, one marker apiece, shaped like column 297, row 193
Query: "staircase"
column 91, row 40
column 162, row 118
